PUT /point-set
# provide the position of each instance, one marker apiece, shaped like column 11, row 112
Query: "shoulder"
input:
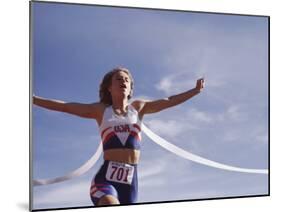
column 99, row 107
column 138, row 104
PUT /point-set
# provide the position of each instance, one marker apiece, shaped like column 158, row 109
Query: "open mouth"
column 123, row 86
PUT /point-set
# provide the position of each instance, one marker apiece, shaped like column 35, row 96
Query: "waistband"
column 106, row 162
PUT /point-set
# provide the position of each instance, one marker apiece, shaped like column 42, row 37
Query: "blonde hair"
column 105, row 95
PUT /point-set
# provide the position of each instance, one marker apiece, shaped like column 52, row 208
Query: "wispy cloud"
column 150, row 174
column 142, row 97
column 68, row 194
column 170, row 128
column 234, row 113
column 195, row 116
column 176, row 83
column 149, row 170
column 180, row 82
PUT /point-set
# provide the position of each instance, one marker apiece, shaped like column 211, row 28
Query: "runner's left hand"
column 200, row 84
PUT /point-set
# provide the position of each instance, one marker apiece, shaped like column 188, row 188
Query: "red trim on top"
column 136, row 135
column 137, row 126
column 108, row 137
column 93, row 190
column 104, row 131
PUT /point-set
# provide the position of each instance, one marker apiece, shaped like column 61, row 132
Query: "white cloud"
column 141, row 97
column 195, row 115
column 231, row 135
column 165, row 85
column 168, row 128
column 149, row 170
column 229, row 113
column 153, row 182
column 183, row 81
column 67, row 194
column 64, row 195
column 259, row 135
column 174, row 84
column 235, row 113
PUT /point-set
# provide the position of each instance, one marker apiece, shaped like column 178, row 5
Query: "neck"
column 120, row 104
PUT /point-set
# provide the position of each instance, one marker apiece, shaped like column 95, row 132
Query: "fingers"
column 200, row 84
column 201, row 81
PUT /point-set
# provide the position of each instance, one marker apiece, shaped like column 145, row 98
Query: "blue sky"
column 75, row 45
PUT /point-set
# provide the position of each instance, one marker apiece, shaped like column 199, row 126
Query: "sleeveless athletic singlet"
column 115, row 178
column 120, row 131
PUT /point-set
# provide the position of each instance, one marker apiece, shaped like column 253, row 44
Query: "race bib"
column 120, row 172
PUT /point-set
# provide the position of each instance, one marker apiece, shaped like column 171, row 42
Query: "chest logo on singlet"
column 122, row 132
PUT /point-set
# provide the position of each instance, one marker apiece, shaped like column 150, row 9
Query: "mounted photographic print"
column 136, row 105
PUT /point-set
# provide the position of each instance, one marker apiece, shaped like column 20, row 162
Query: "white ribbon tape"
column 187, row 155
column 80, row 171
column 158, row 140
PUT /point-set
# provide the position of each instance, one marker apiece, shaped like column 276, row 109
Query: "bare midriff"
column 130, row 156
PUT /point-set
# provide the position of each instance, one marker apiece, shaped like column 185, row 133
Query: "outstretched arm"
column 82, row 110
column 146, row 107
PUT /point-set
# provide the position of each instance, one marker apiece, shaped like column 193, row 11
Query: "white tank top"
column 120, row 125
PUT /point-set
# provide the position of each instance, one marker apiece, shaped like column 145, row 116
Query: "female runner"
column 120, row 127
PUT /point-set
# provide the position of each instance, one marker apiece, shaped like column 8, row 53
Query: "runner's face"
column 120, row 84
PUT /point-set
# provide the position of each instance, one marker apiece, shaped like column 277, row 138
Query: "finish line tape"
column 80, row 171
column 189, row 156
column 158, row 140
